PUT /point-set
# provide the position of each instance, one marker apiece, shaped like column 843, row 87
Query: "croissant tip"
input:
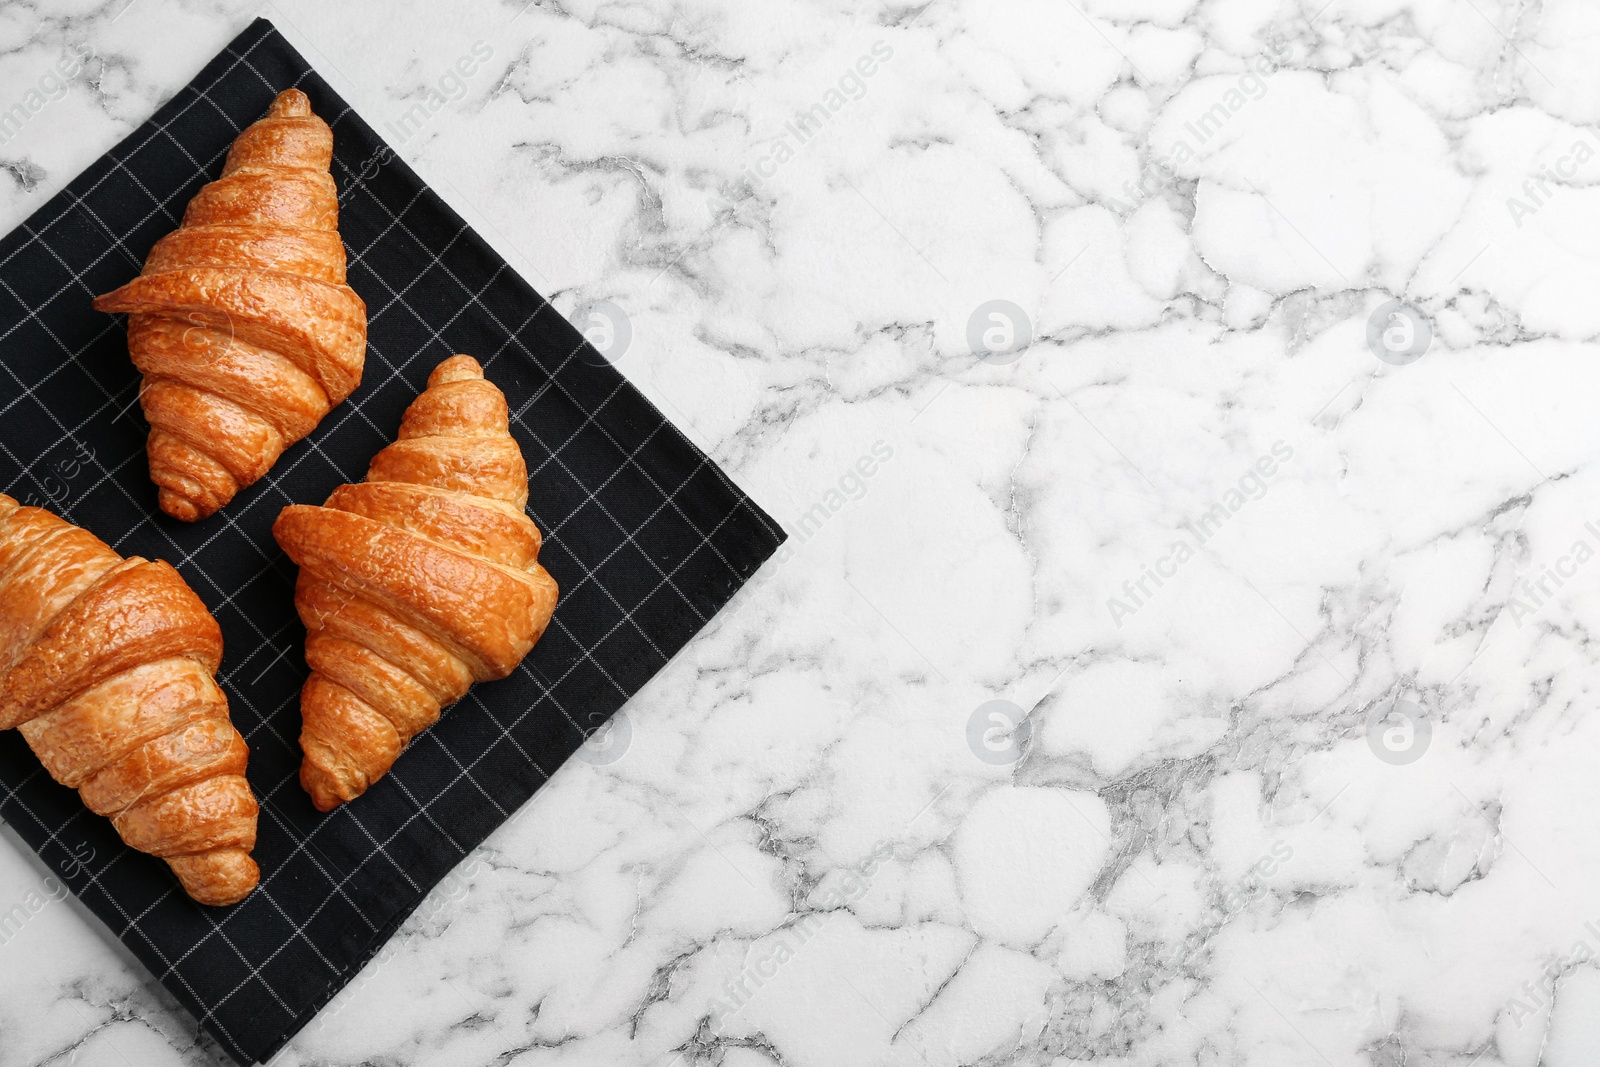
column 291, row 103
column 458, row 368
column 181, row 507
column 321, row 787
column 219, row 877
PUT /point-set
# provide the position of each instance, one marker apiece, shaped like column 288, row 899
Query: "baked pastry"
column 106, row 667
column 241, row 321
column 414, row 584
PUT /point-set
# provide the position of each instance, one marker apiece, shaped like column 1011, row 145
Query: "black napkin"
column 646, row 536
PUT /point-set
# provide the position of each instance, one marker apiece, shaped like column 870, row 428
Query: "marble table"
column 1182, row 414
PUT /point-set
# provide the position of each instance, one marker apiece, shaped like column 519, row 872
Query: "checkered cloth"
column 647, row 538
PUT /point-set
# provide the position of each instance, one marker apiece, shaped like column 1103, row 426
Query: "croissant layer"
column 241, row 322
column 106, row 669
column 415, row 583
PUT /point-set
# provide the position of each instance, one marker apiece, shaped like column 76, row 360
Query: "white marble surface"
column 1199, row 857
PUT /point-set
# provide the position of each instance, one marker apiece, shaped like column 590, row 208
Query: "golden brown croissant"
column 106, row 666
column 415, row 583
column 241, row 321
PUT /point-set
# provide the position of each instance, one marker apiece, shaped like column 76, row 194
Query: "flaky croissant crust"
column 241, row 321
column 106, row 667
column 414, row 584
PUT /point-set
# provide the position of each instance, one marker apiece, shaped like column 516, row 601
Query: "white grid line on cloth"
column 383, row 233
column 16, row 794
column 160, row 204
column 400, row 783
column 629, row 534
column 630, row 459
column 399, row 296
column 628, row 617
column 299, row 929
column 477, row 699
column 589, row 497
column 623, row 544
column 116, row 242
column 271, row 566
column 590, row 494
column 304, row 845
column 272, row 642
column 641, row 469
column 263, row 721
column 73, row 359
column 11, row 791
column 33, row 312
column 27, row 394
column 705, row 540
column 26, row 469
column 380, row 848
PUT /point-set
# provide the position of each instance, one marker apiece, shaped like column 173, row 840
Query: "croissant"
column 414, row 584
column 241, row 321
column 106, row 667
